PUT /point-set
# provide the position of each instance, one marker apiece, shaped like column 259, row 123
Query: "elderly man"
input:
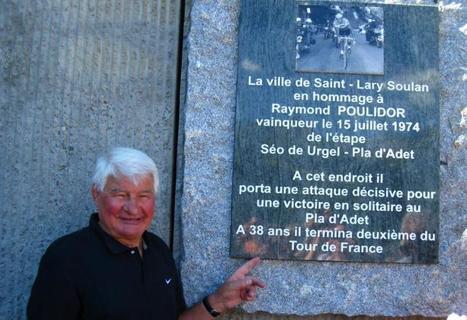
column 115, row 268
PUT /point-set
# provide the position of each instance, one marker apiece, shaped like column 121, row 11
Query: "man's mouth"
column 131, row 220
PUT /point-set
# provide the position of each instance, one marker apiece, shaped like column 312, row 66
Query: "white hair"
column 124, row 162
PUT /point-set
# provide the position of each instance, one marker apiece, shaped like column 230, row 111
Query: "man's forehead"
column 123, row 182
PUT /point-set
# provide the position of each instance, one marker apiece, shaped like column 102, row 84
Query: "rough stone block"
column 311, row 288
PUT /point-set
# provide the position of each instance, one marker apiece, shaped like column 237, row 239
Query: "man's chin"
column 132, row 230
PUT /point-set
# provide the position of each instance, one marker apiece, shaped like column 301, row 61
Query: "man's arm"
column 53, row 296
column 238, row 288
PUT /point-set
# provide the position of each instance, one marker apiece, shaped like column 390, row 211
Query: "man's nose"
column 131, row 205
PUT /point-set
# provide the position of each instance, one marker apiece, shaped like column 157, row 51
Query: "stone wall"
column 311, row 288
column 77, row 77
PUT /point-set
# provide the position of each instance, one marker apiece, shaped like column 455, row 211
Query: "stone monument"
column 431, row 284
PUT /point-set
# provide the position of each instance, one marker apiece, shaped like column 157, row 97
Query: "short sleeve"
column 181, row 304
column 53, row 295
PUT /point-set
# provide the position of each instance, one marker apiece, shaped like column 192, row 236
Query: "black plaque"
column 336, row 160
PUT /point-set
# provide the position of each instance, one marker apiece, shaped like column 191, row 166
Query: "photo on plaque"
column 340, row 39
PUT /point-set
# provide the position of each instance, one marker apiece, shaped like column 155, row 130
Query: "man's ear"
column 94, row 192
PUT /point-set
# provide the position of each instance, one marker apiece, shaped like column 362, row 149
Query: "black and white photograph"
column 340, row 39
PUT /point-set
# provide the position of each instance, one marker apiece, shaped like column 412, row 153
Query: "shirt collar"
column 113, row 245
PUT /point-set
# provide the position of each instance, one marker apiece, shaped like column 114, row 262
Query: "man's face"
column 125, row 209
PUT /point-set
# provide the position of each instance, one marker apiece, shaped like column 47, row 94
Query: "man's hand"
column 238, row 288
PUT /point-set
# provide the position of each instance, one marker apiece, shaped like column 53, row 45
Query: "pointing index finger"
column 245, row 268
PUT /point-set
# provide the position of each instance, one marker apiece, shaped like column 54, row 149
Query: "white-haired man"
column 115, row 268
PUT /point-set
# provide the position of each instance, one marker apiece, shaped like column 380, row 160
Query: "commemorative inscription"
column 337, row 133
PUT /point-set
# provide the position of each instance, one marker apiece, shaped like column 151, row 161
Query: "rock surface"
column 312, row 288
column 76, row 78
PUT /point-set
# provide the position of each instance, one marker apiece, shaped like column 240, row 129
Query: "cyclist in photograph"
column 342, row 25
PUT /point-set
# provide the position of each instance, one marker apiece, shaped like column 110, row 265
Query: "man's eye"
column 119, row 195
column 146, row 196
